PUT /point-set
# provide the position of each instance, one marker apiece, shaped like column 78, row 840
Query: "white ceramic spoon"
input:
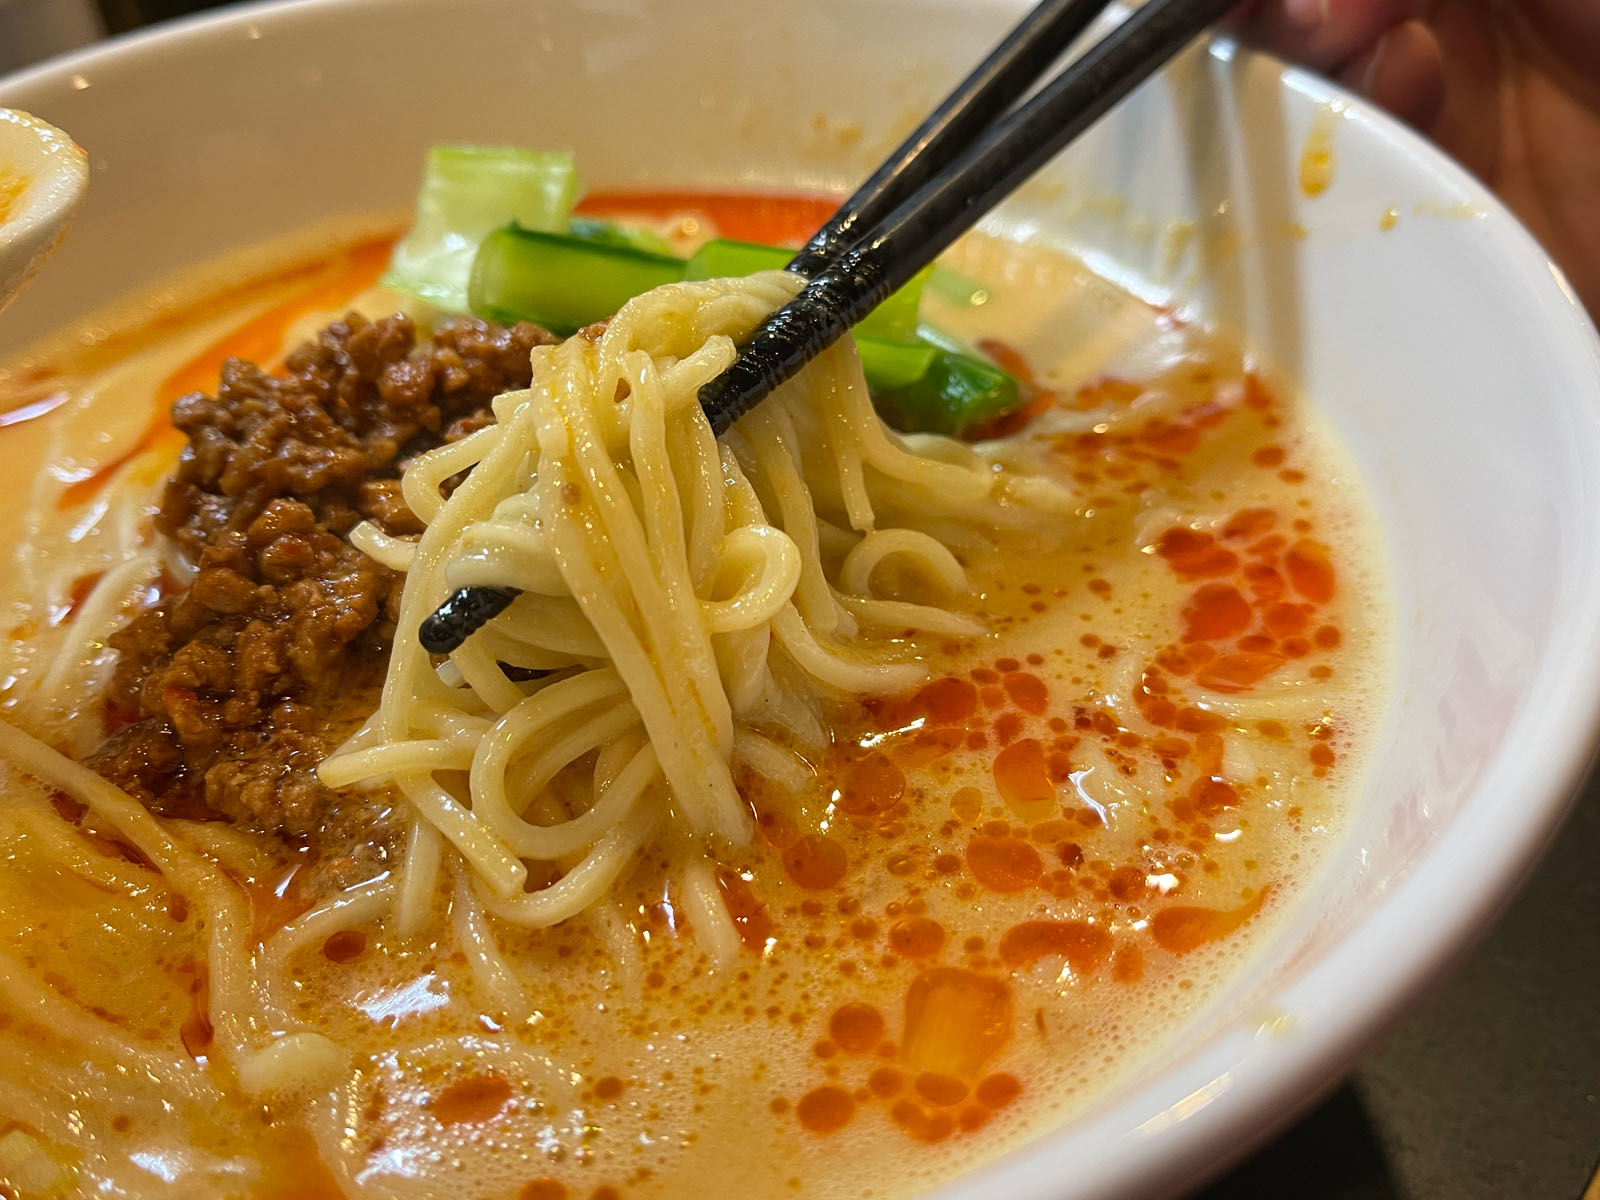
column 43, row 175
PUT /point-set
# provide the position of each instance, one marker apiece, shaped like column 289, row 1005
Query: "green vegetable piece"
column 949, row 284
column 609, row 233
column 567, row 281
column 890, row 366
column 467, row 193
column 723, row 258
column 955, row 394
column 893, row 320
column 560, row 282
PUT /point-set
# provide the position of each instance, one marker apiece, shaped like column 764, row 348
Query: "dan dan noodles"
column 676, row 601
column 838, row 803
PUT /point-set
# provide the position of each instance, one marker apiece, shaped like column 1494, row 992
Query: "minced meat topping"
column 230, row 692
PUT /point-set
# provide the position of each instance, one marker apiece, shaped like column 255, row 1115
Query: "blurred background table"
column 1489, row 1090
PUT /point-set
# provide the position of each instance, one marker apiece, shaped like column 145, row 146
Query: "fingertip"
column 1321, row 33
column 1239, row 18
column 1403, row 73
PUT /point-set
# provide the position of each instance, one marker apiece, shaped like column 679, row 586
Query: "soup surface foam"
column 999, row 896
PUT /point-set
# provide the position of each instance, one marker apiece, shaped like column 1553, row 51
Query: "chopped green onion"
column 467, row 193
column 560, row 282
column 895, row 319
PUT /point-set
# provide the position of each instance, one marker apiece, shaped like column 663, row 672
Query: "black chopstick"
column 464, row 612
column 945, row 207
column 977, row 102
column 966, row 157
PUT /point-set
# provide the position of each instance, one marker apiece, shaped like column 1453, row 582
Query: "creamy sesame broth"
column 998, row 894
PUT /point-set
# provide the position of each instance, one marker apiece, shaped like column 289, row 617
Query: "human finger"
column 1403, row 72
column 1322, row 34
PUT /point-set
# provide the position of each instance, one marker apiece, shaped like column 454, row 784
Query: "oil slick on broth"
column 1001, row 895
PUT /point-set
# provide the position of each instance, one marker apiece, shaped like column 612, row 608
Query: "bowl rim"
column 1431, row 919
column 1166, row 1134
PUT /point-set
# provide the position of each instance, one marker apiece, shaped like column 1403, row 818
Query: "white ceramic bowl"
column 42, row 177
column 1448, row 351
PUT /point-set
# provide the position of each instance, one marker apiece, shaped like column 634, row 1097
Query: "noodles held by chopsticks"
column 682, row 599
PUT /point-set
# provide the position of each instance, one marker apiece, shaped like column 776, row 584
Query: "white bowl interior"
column 1461, row 373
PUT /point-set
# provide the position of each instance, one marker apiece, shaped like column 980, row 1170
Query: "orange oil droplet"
column 870, row 785
column 196, row 1031
column 1106, row 392
column 749, row 915
column 948, row 701
column 997, row 1091
column 1248, row 524
column 479, row 1098
column 942, row 1090
column 1027, row 691
column 885, row 1082
column 1127, row 883
column 1256, row 393
column 345, row 945
column 776, row 830
column 1211, row 796
column 1215, row 611
column 814, row 861
column 1003, row 863
column 916, row 937
column 966, row 805
column 1185, row 928
column 82, row 587
column 1264, row 581
column 857, row 1028
column 973, row 1118
column 1310, row 571
column 920, row 1125
column 543, row 1188
column 1238, row 672
column 1208, row 750
column 1195, row 555
column 1284, row 620
column 1008, row 358
column 293, row 1168
column 927, row 745
column 1128, row 965
column 1084, row 946
column 1197, row 720
column 1021, row 776
column 1169, row 747
column 825, row 1109
column 956, row 1021
column 276, row 902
